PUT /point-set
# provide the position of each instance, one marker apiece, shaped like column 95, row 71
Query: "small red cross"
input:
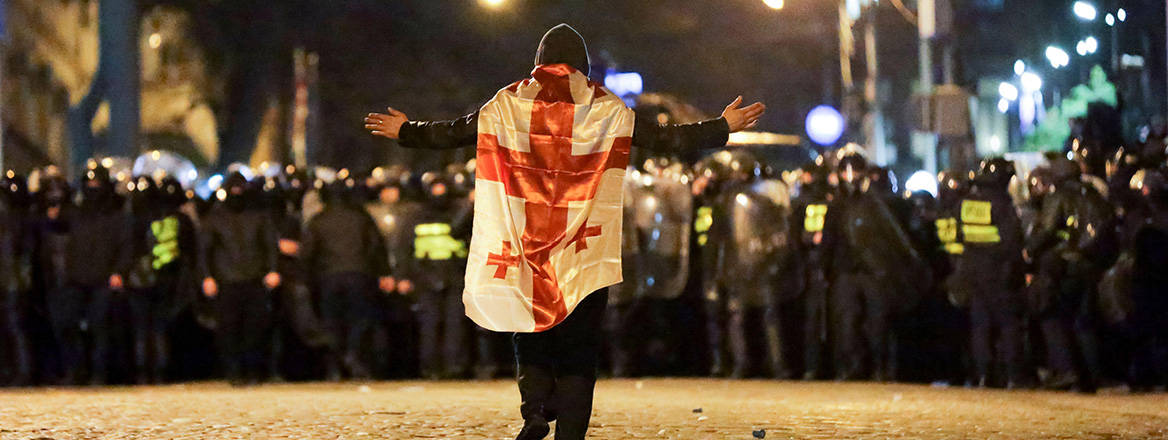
column 582, row 234
column 504, row 260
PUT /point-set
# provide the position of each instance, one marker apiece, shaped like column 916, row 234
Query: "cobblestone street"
column 675, row 409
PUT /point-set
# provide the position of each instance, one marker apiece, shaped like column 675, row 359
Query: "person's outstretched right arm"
column 425, row 135
column 683, row 139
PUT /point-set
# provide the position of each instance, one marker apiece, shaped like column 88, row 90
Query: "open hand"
column 386, row 125
column 742, row 118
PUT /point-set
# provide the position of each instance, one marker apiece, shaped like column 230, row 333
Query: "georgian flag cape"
column 552, row 152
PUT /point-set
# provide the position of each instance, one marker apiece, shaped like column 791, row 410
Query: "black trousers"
column 245, row 317
column 996, row 317
column 860, row 314
column 73, row 310
column 557, row 369
column 814, row 322
column 150, row 310
column 17, row 358
column 349, row 309
column 443, row 329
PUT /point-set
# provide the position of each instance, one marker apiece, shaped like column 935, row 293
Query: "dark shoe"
column 534, row 429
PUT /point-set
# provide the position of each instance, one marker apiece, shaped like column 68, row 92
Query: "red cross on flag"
column 552, row 152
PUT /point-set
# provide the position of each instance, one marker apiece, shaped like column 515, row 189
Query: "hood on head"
column 563, row 45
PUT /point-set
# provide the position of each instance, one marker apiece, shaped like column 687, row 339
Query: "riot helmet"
column 97, row 188
column 995, row 172
column 171, row 193
column 234, row 191
column 853, row 174
column 14, row 191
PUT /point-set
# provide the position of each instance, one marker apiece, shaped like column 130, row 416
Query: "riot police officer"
column 991, row 272
column 343, row 248
column 1071, row 244
column 395, row 210
column 710, row 232
column 1148, row 244
column 658, row 210
column 436, row 272
column 15, row 280
column 875, row 274
column 238, row 260
column 89, row 248
column 808, row 215
column 163, row 268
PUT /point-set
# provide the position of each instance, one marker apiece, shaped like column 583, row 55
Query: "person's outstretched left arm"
column 425, row 135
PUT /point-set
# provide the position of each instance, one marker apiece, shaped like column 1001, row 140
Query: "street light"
column 1003, row 105
column 1031, row 82
column 1085, row 11
column 1008, row 91
column 492, row 4
column 774, row 4
column 1109, row 19
column 1019, row 67
column 1057, row 57
column 1121, row 14
column 1091, row 44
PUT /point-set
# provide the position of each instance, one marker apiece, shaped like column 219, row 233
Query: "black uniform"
column 162, row 279
column 85, row 247
column 16, row 361
column 991, row 272
column 343, row 248
column 808, row 217
column 238, row 248
column 1071, row 244
column 439, row 261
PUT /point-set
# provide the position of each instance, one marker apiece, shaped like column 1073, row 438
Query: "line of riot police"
column 731, row 269
column 1049, row 279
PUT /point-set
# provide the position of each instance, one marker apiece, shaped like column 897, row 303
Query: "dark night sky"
column 442, row 58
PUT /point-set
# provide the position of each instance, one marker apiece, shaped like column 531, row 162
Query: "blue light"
column 825, row 125
column 624, row 83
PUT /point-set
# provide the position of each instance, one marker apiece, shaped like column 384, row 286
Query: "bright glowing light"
column 155, row 40
column 774, row 4
column 1091, row 44
column 824, row 125
column 624, row 84
column 492, row 3
column 1081, row 48
column 922, row 181
column 1008, row 91
column 1085, row 11
column 1109, row 19
column 1121, row 14
column 1057, row 57
column 996, row 143
column 1003, row 105
column 1019, row 67
column 1031, row 82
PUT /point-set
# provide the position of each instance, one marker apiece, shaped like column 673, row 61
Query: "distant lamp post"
column 1121, row 14
column 1109, row 19
column 1008, row 91
column 1057, row 56
column 1031, row 82
column 1091, row 44
column 1003, row 105
column 825, row 125
column 774, row 4
column 1085, row 11
column 493, row 4
column 1019, row 67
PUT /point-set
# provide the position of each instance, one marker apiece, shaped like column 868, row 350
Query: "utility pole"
column 923, row 138
column 874, row 119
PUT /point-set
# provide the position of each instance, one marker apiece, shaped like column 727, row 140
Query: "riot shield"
column 660, row 211
column 758, row 243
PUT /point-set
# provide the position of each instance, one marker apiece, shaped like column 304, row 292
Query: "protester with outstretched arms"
column 552, row 152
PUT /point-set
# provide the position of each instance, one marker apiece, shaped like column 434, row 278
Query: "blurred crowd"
column 1049, row 277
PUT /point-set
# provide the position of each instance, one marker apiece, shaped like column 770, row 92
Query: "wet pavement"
column 625, row 409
